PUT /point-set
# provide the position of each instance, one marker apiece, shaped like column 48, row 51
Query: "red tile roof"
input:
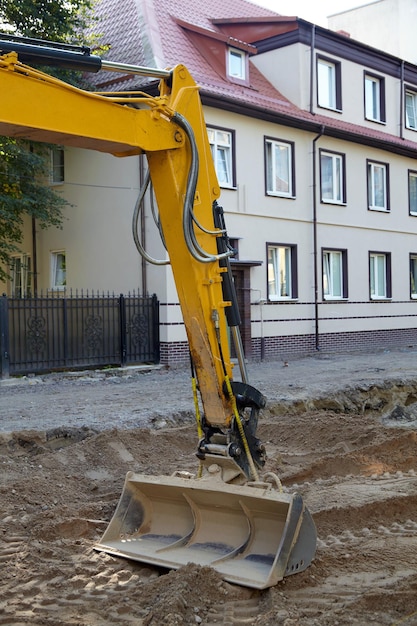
column 149, row 32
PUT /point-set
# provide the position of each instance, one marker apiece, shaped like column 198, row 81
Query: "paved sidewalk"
column 144, row 396
column 319, row 373
column 323, row 373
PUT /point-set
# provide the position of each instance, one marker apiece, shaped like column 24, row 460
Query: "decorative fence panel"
column 52, row 333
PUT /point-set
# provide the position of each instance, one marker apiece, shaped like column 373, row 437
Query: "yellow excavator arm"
column 171, row 131
column 175, row 520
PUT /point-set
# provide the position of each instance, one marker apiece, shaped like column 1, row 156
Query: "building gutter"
column 34, row 259
column 315, row 250
column 312, row 49
column 402, row 101
column 144, row 263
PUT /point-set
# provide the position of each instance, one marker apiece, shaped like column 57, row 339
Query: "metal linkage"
column 79, row 58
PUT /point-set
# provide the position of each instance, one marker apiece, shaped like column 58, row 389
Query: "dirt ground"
column 341, row 430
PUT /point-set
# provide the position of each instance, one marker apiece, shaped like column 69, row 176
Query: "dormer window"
column 236, row 64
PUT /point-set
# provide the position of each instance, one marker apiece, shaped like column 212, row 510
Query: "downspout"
column 35, row 259
column 315, row 255
column 34, row 251
column 142, row 228
column 312, row 49
column 402, row 101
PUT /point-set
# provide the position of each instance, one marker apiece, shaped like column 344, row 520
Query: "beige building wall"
column 389, row 25
column 294, row 84
column 97, row 234
column 96, row 230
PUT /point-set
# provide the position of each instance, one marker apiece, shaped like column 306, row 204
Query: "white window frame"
column 236, row 63
column 413, row 276
column 378, row 286
column 333, row 278
column 279, row 169
column 58, row 270
column 221, row 144
column 411, row 109
column 373, row 98
column 335, row 186
column 327, row 84
column 21, row 276
column 280, row 272
column 412, row 192
column 374, row 171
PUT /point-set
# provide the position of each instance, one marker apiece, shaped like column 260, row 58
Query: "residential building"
column 313, row 138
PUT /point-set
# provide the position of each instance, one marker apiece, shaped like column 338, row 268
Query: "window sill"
column 335, row 110
column 378, row 209
column 335, row 299
column 282, row 301
column 371, row 119
column 334, row 202
column 380, row 299
column 272, row 194
column 238, row 80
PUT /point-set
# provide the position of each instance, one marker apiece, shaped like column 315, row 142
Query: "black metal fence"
column 82, row 330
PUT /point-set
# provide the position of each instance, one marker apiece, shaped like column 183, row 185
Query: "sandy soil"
column 340, row 430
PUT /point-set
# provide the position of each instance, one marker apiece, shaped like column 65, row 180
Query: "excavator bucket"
column 251, row 536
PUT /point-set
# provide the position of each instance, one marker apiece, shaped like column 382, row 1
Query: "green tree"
column 24, row 166
column 24, row 172
column 53, row 20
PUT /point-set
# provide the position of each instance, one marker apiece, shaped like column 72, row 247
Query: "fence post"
column 156, row 329
column 4, row 338
column 122, row 329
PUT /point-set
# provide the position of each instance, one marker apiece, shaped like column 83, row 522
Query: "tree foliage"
column 24, row 173
column 54, row 20
column 25, row 167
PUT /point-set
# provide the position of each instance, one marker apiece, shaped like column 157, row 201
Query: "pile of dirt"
column 58, row 495
column 355, row 468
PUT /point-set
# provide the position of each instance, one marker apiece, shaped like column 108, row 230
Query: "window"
column 58, row 270
column 379, row 275
column 412, row 192
column 374, row 98
column 21, row 276
column 282, row 272
column 332, row 177
column 279, row 158
column 378, row 191
column 411, row 109
column 57, row 166
column 236, row 63
column 222, row 150
column 329, row 85
column 334, row 274
column 413, row 276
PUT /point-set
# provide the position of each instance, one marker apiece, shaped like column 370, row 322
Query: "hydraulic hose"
column 189, row 219
column 135, row 222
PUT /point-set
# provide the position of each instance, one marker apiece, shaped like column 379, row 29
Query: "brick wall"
column 275, row 348
column 175, row 354
column 303, row 345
